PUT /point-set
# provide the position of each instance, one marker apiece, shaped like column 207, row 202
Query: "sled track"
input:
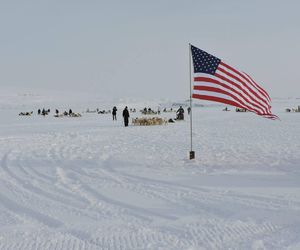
column 201, row 234
column 57, row 181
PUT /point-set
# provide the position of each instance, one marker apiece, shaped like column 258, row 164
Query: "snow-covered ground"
column 90, row 183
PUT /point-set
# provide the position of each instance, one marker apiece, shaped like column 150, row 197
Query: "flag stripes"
column 245, row 83
column 216, row 81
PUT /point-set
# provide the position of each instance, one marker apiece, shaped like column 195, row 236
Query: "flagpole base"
column 192, row 155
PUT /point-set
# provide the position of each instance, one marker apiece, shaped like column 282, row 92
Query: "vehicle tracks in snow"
column 72, row 191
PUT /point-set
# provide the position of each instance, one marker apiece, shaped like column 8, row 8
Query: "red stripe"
column 272, row 117
column 206, row 79
column 263, row 107
column 212, row 89
column 263, row 92
column 243, row 90
column 269, row 98
column 232, row 103
column 217, row 99
column 245, row 85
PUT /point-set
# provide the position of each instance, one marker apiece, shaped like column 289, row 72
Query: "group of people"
column 125, row 115
column 65, row 113
column 47, row 111
column 43, row 112
column 150, row 111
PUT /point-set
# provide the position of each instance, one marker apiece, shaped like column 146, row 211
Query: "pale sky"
column 140, row 48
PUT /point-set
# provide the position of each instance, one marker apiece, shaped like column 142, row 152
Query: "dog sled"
column 26, row 113
column 91, row 111
column 104, row 112
column 240, row 110
column 65, row 114
column 293, row 109
column 179, row 117
column 148, row 121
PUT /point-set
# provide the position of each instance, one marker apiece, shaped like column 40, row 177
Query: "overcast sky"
column 140, row 48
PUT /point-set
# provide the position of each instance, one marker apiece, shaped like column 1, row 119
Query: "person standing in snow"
column 180, row 113
column 126, row 116
column 189, row 110
column 114, row 113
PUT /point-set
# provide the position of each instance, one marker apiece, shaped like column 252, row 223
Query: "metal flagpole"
column 192, row 153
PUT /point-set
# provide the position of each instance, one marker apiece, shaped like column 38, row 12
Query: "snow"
column 91, row 183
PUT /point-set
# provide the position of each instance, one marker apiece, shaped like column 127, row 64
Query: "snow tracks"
column 103, row 189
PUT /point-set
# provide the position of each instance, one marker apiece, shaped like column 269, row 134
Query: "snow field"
column 90, row 183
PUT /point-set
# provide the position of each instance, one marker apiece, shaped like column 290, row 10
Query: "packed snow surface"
column 90, row 183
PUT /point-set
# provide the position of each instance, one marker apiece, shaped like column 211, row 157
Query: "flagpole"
column 192, row 153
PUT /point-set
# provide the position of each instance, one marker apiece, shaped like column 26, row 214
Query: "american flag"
column 216, row 81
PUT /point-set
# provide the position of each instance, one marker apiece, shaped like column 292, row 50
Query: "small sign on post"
column 192, row 155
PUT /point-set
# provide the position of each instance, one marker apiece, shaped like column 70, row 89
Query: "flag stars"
column 204, row 62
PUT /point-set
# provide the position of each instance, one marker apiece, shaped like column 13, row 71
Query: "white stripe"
column 251, row 95
column 256, row 91
column 214, row 94
column 241, row 93
column 239, row 97
column 254, row 99
column 219, row 95
column 268, row 100
column 226, row 97
column 247, row 93
column 254, row 88
column 257, row 86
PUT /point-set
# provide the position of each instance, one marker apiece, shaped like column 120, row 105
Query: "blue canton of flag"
column 204, row 62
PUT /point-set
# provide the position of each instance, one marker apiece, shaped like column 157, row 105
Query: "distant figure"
column 189, row 110
column 126, row 116
column 114, row 113
column 44, row 112
column 70, row 111
column 180, row 113
column 56, row 111
column 39, row 111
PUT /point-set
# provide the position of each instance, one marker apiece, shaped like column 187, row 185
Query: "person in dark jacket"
column 114, row 113
column 180, row 113
column 126, row 116
column 189, row 110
